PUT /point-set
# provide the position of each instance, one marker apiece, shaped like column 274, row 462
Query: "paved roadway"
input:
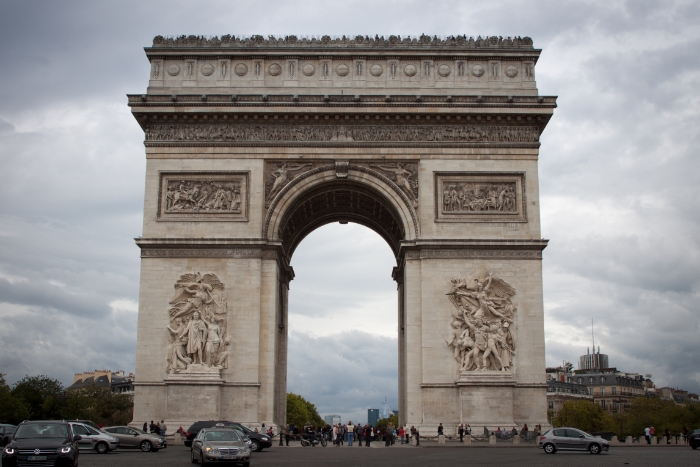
column 399, row 456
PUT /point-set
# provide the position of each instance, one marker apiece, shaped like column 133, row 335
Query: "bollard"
column 662, row 440
column 492, row 439
column 516, row 439
column 468, row 439
column 674, row 440
column 614, row 440
column 628, row 440
column 441, row 439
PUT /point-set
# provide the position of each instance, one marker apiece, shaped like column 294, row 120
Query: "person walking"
column 647, row 435
column 684, row 434
column 145, row 427
column 460, row 431
column 163, row 428
column 401, row 434
column 417, row 437
column 358, row 434
column 368, row 435
column 652, row 433
column 440, row 430
column 152, row 427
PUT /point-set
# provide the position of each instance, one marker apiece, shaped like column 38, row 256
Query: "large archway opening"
column 344, row 328
column 342, row 322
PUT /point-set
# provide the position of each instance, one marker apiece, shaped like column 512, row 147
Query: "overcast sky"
column 618, row 171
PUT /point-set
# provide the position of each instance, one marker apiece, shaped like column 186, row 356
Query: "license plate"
column 36, row 458
column 227, row 457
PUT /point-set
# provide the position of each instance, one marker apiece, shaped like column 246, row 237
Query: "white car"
column 94, row 439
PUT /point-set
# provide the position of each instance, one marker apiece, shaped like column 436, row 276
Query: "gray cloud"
column 618, row 176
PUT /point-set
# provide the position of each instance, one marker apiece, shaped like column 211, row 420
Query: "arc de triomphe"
column 252, row 143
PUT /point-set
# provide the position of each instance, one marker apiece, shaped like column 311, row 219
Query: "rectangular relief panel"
column 480, row 197
column 203, row 196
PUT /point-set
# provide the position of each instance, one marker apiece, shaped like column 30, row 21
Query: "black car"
column 694, row 439
column 259, row 441
column 6, row 433
column 49, row 442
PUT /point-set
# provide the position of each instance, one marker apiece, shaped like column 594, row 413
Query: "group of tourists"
column 157, row 428
column 350, row 433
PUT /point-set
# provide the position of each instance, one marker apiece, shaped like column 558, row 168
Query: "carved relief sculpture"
column 480, row 197
column 280, row 177
column 198, row 325
column 481, row 337
column 404, row 175
column 211, row 195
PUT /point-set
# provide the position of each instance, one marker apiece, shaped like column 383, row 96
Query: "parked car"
column 6, row 432
column 694, row 439
column 43, row 443
column 219, row 444
column 137, row 439
column 572, row 439
column 92, row 438
column 259, row 441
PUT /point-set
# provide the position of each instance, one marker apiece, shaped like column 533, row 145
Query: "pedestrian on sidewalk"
column 401, row 434
column 368, row 435
column 647, row 435
column 163, row 428
column 350, row 430
column 460, row 431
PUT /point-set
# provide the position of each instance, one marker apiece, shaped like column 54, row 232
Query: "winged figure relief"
column 481, row 336
column 280, row 177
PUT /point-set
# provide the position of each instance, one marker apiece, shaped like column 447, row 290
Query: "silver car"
column 572, row 439
column 219, row 444
column 94, row 439
column 137, row 439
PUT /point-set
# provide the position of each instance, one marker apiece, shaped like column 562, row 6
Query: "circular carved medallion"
column 207, row 70
column 478, row 71
column 342, row 70
column 410, row 70
column 274, row 69
column 241, row 69
column 308, row 69
column 174, row 70
column 376, row 70
column 444, row 70
column 511, row 71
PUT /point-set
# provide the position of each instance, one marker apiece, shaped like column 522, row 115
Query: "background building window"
column 551, row 404
column 614, row 391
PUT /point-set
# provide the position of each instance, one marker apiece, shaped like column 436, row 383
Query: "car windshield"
column 696, row 432
column 247, row 430
column 141, row 432
column 42, row 430
column 215, row 436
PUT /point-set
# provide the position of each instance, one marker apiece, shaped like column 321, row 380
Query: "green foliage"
column 12, row 409
column 393, row 419
column 584, row 415
column 99, row 404
column 300, row 411
column 41, row 394
column 660, row 414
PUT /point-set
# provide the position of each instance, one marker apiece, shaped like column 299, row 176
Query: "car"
column 6, row 432
column 43, row 442
column 134, row 438
column 92, row 438
column 694, row 439
column 572, row 439
column 259, row 441
column 219, row 444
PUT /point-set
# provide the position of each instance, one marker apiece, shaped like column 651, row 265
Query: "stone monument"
column 252, row 143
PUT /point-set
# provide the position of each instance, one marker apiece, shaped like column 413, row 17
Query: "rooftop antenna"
column 593, row 336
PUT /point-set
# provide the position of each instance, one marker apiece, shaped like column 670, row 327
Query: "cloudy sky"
column 619, row 184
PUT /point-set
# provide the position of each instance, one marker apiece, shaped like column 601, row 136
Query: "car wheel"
column 549, row 448
column 594, row 448
column 192, row 458
column 694, row 447
column 146, row 446
column 255, row 445
column 101, row 448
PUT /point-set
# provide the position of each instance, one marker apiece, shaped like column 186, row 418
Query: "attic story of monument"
column 253, row 143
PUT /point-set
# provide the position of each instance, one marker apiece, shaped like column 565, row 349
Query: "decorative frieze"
column 176, row 133
column 203, row 196
column 475, row 253
column 147, row 252
column 480, row 197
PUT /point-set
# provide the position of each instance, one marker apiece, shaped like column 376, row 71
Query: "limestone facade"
column 253, row 143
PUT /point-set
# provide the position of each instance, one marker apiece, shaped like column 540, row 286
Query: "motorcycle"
column 312, row 440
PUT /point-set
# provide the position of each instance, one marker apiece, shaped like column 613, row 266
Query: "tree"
column 383, row 422
column 99, row 404
column 42, row 395
column 300, row 411
column 584, row 415
column 12, row 410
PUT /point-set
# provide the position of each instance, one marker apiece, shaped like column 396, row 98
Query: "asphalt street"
column 410, row 456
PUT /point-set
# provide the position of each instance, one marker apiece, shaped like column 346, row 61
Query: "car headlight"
column 65, row 450
column 9, row 451
column 265, row 438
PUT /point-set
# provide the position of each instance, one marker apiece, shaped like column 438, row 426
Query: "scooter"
column 312, row 440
